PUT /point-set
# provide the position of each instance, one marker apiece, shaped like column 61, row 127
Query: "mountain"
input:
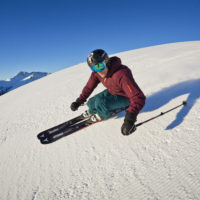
column 19, row 80
column 160, row 160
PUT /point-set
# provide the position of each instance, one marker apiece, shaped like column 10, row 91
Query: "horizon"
column 49, row 36
column 29, row 71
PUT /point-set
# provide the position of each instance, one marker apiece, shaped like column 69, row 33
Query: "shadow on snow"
column 160, row 98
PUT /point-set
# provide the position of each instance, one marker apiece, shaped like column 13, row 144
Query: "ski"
column 62, row 126
column 50, row 137
column 66, row 131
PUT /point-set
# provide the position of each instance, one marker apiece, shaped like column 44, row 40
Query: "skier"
column 122, row 90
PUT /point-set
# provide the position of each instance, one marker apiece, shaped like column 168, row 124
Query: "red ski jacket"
column 119, row 80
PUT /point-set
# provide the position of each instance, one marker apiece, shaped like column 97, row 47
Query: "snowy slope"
column 161, row 160
column 19, row 80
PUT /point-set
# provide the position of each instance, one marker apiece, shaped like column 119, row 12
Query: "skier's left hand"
column 128, row 126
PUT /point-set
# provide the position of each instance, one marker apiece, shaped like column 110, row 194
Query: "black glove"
column 128, row 126
column 75, row 105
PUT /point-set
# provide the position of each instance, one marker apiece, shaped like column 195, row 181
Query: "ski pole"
column 162, row 113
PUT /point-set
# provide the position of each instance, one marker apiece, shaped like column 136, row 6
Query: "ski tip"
column 184, row 103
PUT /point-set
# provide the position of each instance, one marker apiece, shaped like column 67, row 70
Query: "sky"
column 48, row 36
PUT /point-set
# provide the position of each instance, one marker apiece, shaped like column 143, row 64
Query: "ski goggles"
column 99, row 67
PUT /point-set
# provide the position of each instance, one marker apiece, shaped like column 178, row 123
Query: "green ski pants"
column 104, row 102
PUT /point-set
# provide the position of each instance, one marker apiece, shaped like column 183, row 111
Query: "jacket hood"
column 114, row 64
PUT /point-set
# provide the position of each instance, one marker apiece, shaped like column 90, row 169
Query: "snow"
column 161, row 160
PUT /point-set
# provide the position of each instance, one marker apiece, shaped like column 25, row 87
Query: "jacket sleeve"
column 89, row 87
column 132, row 92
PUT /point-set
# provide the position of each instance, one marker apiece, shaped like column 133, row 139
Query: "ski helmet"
column 96, row 56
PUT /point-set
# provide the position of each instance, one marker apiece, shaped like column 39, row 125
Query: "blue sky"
column 50, row 35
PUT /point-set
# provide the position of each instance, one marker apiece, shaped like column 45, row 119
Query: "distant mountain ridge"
column 19, row 80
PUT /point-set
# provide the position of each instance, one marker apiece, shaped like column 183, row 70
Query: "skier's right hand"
column 75, row 105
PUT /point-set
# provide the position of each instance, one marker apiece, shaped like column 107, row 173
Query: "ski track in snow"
column 159, row 161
